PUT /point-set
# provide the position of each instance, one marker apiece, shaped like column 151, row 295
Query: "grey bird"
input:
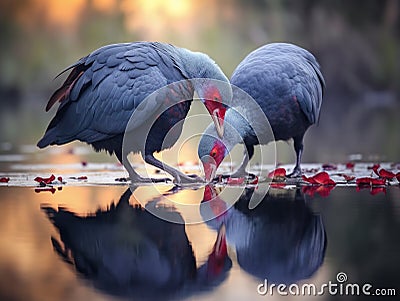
column 287, row 86
column 112, row 88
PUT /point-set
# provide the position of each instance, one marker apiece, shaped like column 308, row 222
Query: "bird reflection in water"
column 127, row 251
column 281, row 239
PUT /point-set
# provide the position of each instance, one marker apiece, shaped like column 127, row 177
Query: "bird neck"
column 237, row 128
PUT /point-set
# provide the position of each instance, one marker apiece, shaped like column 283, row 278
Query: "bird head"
column 212, row 152
column 215, row 94
column 213, row 101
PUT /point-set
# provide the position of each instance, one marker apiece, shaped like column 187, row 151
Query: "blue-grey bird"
column 107, row 87
column 287, row 84
column 130, row 252
column 281, row 240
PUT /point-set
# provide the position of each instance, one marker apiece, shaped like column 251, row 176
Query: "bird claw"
column 296, row 173
column 248, row 177
column 188, row 179
column 144, row 180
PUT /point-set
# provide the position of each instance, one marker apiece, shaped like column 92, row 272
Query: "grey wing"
column 308, row 89
column 105, row 89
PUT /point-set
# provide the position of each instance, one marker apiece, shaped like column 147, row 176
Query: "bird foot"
column 248, row 176
column 188, row 179
column 141, row 180
column 296, row 173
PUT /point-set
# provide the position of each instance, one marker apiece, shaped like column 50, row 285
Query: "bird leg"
column 248, row 153
column 298, row 147
column 241, row 171
column 180, row 178
column 133, row 175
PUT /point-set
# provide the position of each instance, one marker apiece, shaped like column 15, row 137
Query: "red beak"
column 219, row 253
column 210, row 168
column 218, row 115
column 220, row 247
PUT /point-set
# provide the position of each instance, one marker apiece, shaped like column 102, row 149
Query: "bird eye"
column 216, row 98
column 213, row 153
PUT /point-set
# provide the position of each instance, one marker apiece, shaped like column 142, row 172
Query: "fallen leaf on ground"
column 45, row 180
column 368, row 181
column 277, row 173
column 4, row 180
column 329, row 166
column 321, row 178
column 348, row 178
column 386, row 174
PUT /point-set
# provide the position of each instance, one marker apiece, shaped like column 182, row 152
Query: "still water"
column 99, row 243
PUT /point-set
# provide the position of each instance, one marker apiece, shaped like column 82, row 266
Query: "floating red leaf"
column 277, row 173
column 368, row 181
column 234, row 181
column 386, row 174
column 4, row 180
column 398, row 176
column 329, row 166
column 350, row 165
column 82, row 178
column 309, row 180
column 348, row 178
column 60, row 179
column 374, row 166
column 321, row 178
column 50, row 189
column 45, row 180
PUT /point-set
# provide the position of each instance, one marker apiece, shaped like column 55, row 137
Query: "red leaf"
column 59, row 179
column 50, row 189
column 398, row 176
column 82, row 178
column 367, row 181
column 386, row 174
column 235, row 181
column 308, row 180
column 321, row 178
column 378, row 182
column 4, row 180
column 329, row 166
column 350, row 165
column 376, row 190
column 375, row 166
column 278, row 185
column 277, row 173
column 348, row 178
column 45, row 180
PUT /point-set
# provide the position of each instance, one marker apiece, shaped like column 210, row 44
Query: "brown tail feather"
column 63, row 92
